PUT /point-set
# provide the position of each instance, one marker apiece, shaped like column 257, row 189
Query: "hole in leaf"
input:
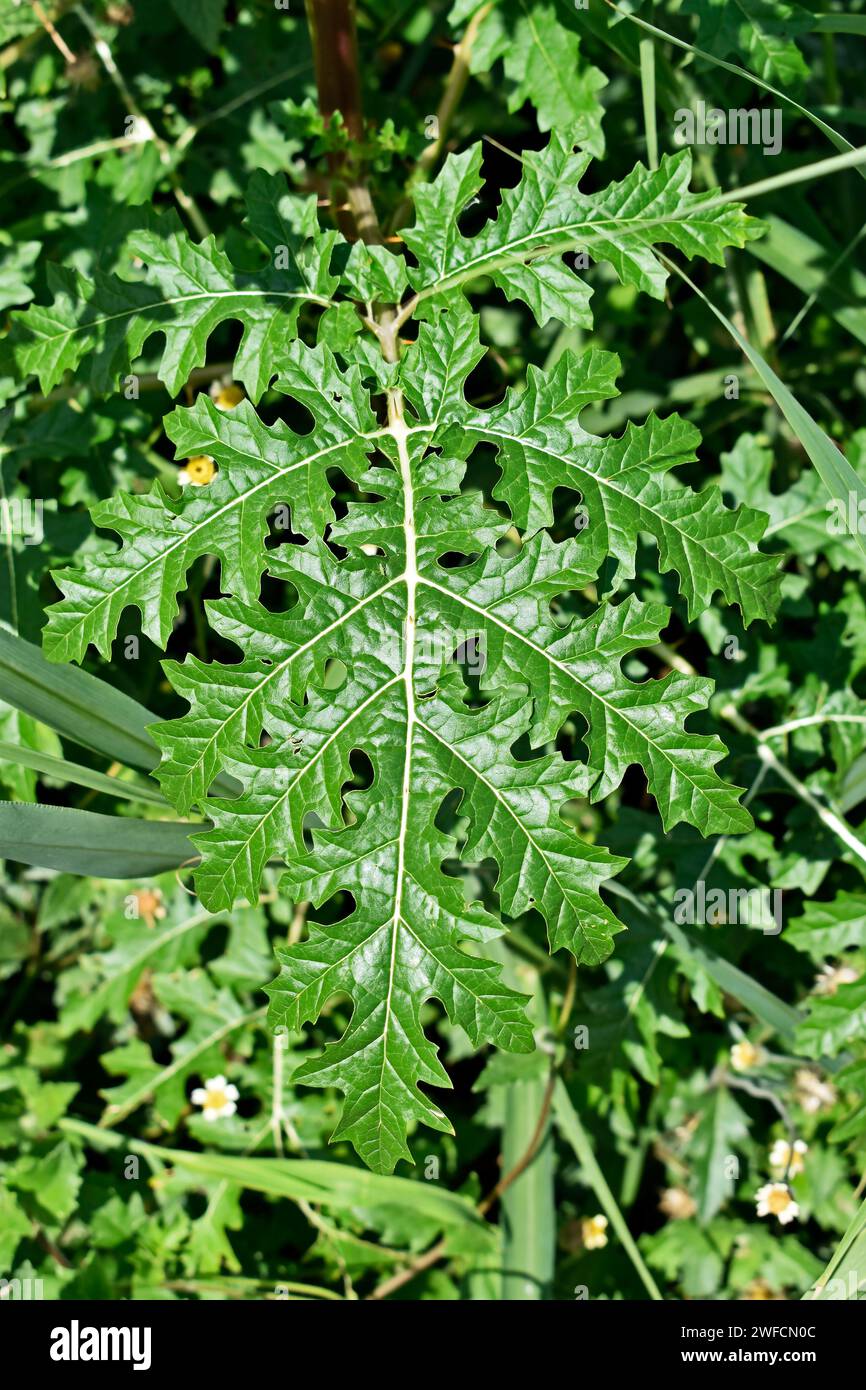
column 363, row 771
column 336, row 672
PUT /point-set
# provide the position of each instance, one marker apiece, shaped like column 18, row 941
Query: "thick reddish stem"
column 335, row 54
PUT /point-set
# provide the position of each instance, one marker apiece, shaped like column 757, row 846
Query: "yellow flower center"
column 778, row 1201
column 745, row 1055
column 149, row 904
column 593, row 1232
column 228, row 397
column 200, row 469
column 758, row 1289
column 215, row 1100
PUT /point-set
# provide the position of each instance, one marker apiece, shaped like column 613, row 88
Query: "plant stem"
column 523, row 1162
column 335, row 56
column 731, row 714
column 455, row 86
column 228, row 109
column 59, row 43
column 454, row 89
column 827, row 817
column 440, row 1249
column 403, row 1276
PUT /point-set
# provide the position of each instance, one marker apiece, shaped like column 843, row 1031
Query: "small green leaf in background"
column 203, row 18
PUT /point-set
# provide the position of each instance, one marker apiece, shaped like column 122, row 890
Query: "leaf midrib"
column 573, row 235
column 89, row 324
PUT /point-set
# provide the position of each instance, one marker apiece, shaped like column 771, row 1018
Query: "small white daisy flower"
column 787, row 1159
column 775, row 1199
column 745, row 1055
column 593, row 1232
column 217, row 1097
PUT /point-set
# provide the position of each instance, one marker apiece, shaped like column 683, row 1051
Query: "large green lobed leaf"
column 415, row 631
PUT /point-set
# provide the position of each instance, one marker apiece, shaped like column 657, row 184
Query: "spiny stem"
column 335, row 54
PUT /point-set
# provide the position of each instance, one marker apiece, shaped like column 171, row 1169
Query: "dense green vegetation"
column 432, row 650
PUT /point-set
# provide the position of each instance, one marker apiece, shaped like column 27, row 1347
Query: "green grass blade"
column 528, row 1206
column 845, row 1275
column 334, row 1185
column 528, row 1210
column 833, row 135
column 836, row 473
column 815, row 269
column 78, row 706
column 839, row 24
column 648, row 96
column 760, row 1002
column 82, row 776
column 852, row 158
column 83, row 842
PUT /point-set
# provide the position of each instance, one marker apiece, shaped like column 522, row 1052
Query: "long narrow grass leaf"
column 83, row 842
column 843, row 484
column 574, row 1132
